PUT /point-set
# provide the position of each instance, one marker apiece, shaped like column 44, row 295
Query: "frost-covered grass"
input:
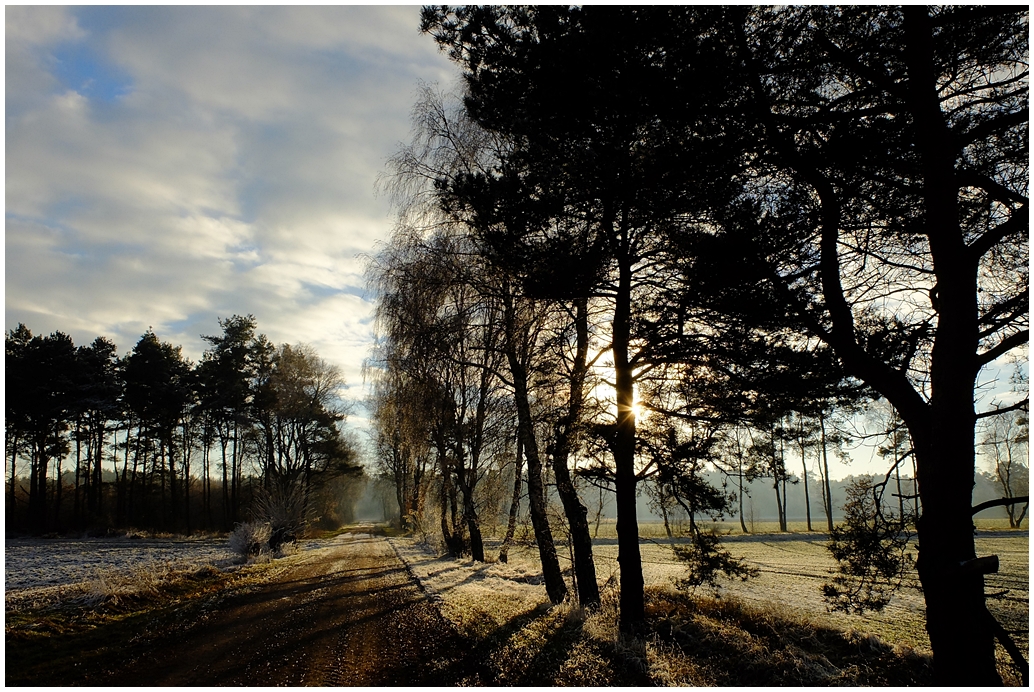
column 36, row 563
column 46, row 572
column 41, row 573
column 793, row 566
column 504, row 607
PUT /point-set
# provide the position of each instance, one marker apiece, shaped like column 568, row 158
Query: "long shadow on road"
column 353, row 618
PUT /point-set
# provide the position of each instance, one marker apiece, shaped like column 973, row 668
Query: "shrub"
column 284, row 509
column 250, row 538
column 871, row 550
column 706, row 560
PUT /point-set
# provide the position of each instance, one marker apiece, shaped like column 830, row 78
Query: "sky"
column 169, row 166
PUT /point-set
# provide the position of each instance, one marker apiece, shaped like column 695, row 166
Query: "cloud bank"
column 169, row 166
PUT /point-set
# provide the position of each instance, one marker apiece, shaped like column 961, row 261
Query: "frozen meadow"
column 42, row 563
column 40, row 572
column 792, row 568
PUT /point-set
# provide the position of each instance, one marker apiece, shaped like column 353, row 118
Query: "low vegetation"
column 772, row 630
column 690, row 639
column 59, row 634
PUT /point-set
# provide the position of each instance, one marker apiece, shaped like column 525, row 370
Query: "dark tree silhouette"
column 575, row 203
column 143, row 415
column 881, row 160
column 157, row 392
column 885, row 210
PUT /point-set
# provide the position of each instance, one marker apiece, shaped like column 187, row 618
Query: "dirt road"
column 348, row 614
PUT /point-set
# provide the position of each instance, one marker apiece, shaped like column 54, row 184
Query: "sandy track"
column 347, row 614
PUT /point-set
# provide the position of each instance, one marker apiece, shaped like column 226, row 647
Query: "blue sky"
column 167, row 166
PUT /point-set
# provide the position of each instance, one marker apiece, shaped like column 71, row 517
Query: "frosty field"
column 771, row 630
column 481, row 596
column 792, row 567
column 40, row 563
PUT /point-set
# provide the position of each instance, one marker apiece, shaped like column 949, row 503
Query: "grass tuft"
column 725, row 642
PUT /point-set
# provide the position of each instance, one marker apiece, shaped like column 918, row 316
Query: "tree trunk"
column 477, row 545
column 632, row 599
column 957, row 620
column 827, row 503
column 739, row 477
column 960, row 628
column 234, row 476
column 511, row 524
column 556, row 589
column 38, row 484
column 57, row 494
column 576, row 512
column 804, row 473
column 95, row 470
column 77, row 503
column 14, row 475
column 466, row 486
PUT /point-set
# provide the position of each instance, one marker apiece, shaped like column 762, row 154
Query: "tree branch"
column 994, row 124
column 1018, row 406
column 1014, row 651
column 1004, row 346
column 1017, row 223
column 1000, row 502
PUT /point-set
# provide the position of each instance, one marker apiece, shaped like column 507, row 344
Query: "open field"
column 43, row 572
column 771, row 630
column 793, row 567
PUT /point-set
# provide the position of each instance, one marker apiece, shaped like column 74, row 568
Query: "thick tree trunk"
column 960, row 628
column 957, row 620
column 632, row 599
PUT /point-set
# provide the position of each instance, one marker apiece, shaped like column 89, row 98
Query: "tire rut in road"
column 349, row 614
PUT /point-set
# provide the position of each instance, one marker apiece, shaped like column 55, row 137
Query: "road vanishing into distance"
column 348, row 614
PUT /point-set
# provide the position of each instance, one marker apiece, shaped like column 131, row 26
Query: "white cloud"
column 229, row 169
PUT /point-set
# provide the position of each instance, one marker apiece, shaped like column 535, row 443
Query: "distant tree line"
column 653, row 240
column 151, row 440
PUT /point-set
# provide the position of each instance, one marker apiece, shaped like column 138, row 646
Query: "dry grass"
column 708, row 641
column 772, row 630
column 520, row 640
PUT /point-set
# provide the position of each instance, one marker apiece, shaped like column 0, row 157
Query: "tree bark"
column 556, row 589
column 632, row 615
column 576, row 512
column 515, row 499
column 956, row 615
